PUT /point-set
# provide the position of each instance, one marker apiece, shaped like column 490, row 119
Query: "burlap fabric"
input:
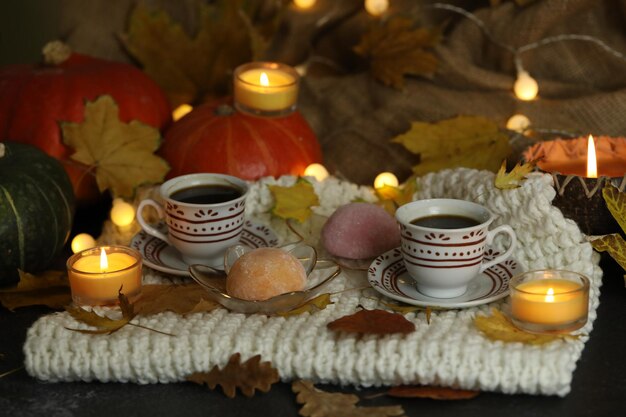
column 582, row 86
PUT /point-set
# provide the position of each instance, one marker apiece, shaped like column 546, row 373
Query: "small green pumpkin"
column 36, row 209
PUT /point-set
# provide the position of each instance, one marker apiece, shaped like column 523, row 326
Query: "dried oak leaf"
column 616, row 203
column 314, row 304
column 190, row 69
column 103, row 324
column 396, row 48
column 294, row 202
column 511, row 180
column 499, row 327
column 122, row 154
column 318, row 403
column 248, row 376
column 435, row 393
column 372, row 322
column 463, row 141
column 181, row 299
column 49, row 288
column 615, row 245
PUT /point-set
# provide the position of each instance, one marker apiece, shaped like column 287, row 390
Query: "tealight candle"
column 549, row 301
column 266, row 88
column 97, row 275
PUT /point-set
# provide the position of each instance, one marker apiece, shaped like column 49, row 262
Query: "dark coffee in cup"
column 206, row 194
column 445, row 221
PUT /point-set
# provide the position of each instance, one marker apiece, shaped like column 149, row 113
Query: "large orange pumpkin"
column 216, row 138
column 34, row 99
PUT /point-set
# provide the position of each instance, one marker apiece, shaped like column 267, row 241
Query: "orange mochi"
column 265, row 273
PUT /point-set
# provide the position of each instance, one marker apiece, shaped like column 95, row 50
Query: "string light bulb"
column 376, row 7
column 318, row 171
column 181, row 111
column 385, row 179
column 82, row 241
column 304, row 4
column 518, row 123
column 122, row 213
column 525, row 87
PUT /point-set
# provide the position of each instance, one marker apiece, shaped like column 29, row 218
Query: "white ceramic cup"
column 443, row 261
column 201, row 232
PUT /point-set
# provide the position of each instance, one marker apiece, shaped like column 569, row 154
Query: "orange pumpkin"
column 34, row 99
column 216, row 138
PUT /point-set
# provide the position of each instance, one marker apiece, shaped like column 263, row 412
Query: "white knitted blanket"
column 449, row 352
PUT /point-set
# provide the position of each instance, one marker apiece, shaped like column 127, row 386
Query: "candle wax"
column 89, row 282
column 280, row 93
column 537, row 305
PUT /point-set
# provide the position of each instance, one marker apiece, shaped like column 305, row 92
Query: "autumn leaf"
column 49, row 288
column 463, row 141
column 372, row 322
column 390, row 197
column 122, row 154
column 181, row 299
column 435, row 393
column 314, row 304
column 615, row 245
column 318, row 403
column 102, row 323
column 616, row 203
column 294, row 202
column 248, row 376
column 404, row 309
column 192, row 69
column 499, row 327
column 396, row 48
column 513, row 179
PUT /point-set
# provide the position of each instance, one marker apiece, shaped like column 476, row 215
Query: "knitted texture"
column 449, row 351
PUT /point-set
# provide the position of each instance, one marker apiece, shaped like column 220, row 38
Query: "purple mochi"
column 360, row 231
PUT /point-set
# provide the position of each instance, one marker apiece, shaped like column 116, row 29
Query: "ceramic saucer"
column 158, row 255
column 388, row 275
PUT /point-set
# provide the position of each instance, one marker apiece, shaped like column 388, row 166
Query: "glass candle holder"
column 266, row 89
column 97, row 275
column 549, row 301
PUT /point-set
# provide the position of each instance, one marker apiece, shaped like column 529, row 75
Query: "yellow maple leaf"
column 294, row 202
column 463, row 141
column 192, row 69
column 615, row 245
column 616, row 203
column 396, row 48
column 122, row 154
column 499, row 327
column 390, row 197
column 310, row 306
column 513, row 179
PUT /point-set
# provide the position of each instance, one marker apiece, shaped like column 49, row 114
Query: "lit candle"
column 97, row 275
column 82, row 241
column 376, row 7
column 385, row 179
column 266, row 88
column 122, row 213
column 549, row 301
column 592, row 162
column 525, row 87
column 181, row 111
column 318, row 171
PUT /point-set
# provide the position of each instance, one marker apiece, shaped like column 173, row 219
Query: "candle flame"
column 592, row 162
column 550, row 295
column 265, row 82
column 104, row 262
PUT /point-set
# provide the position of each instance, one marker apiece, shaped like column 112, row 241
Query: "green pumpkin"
column 36, row 210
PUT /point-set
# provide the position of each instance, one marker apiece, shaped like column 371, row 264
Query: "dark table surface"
column 598, row 388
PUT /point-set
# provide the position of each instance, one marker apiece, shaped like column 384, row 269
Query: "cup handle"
column 149, row 229
column 490, row 235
